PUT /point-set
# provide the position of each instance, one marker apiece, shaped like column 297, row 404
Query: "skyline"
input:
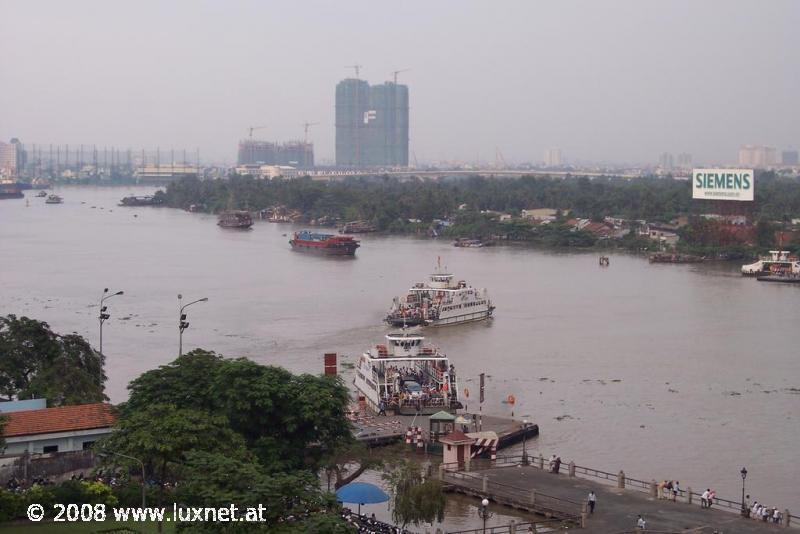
column 198, row 74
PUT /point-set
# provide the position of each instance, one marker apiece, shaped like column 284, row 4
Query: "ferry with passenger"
column 439, row 302
column 407, row 376
column 778, row 262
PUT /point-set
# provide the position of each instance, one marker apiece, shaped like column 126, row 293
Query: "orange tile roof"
column 60, row 419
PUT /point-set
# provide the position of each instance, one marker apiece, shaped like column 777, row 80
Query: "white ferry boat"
column 407, row 376
column 439, row 302
column 778, row 262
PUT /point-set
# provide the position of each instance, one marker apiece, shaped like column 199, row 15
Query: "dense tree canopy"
column 285, row 419
column 233, row 431
column 35, row 362
column 385, row 201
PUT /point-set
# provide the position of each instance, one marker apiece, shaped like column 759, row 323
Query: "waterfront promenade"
column 534, row 489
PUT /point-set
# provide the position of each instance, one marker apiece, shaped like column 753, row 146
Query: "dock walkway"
column 533, row 489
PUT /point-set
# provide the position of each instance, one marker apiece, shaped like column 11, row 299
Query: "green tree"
column 2, row 437
column 765, row 234
column 161, row 435
column 35, row 362
column 287, row 420
column 415, row 499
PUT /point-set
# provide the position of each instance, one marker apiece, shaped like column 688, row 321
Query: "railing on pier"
column 546, row 525
column 616, row 479
column 532, row 500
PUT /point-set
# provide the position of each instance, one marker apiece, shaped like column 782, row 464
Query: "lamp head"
column 119, row 293
column 204, row 299
column 105, row 291
column 485, row 503
column 743, row 473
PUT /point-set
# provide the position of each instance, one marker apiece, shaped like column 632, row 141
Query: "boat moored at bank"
column 145, row 200
column 235, row 219
column 407, row 376
column 440, row 301
column 327, row 244
column 778, row 262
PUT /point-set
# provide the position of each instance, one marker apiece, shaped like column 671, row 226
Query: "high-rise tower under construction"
column 371, row 124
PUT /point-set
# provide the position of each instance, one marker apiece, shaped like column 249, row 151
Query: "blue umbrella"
column 361, row 493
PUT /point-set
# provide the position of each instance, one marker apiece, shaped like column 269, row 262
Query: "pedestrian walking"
column 641, row 524
column 382, row 408
column 592, row 501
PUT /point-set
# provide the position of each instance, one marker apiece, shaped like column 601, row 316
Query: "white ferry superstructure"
column 778, row 262
column 440, row 302
column 406, row 376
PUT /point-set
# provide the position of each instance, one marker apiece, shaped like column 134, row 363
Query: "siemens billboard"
column 723, row 184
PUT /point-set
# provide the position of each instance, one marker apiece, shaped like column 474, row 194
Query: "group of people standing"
column 555, row 464
column 669, row 488
column 707, row 498
column 767, row 514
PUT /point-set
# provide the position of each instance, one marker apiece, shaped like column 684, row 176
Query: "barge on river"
column 407, row 377
column 326, row 244
column 235, row 219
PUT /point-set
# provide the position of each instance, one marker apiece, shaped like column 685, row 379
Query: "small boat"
column 327, row 244
column 54, row 199
column 663, row 257
column 140, row 201
column 10, row 192
column 235, row 219
column 357, row 227
column 41, row 194
column 469, row 243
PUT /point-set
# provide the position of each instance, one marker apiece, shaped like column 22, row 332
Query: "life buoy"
column 511, row 399
column 466, row 393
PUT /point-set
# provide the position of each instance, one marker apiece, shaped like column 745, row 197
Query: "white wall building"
column 61, row 429
column 757, row 156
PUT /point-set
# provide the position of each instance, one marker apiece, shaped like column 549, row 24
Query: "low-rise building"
column 540, row 214
column 268, row 172
column 60, row 429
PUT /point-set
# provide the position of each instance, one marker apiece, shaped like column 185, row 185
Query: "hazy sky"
column 605, row 81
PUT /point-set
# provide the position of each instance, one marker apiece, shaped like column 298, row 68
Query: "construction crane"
column 254, row 128
column 499, row 160
column 396, row 72
column 356, row 67
column 306, row 125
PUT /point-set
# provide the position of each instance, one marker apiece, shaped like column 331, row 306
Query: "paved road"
column 617, row 510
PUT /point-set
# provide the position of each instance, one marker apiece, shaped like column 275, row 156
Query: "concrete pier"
column 529, row 488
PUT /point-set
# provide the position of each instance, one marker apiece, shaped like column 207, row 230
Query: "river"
column 686, row 372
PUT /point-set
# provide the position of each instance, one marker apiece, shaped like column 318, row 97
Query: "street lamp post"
column 743, row 472
column 484, row 513
column 141, row 463
column 524, row 442
column 183, row 324
column 104, row 315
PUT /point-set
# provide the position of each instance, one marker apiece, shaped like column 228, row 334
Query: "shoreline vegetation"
column 602, row 213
